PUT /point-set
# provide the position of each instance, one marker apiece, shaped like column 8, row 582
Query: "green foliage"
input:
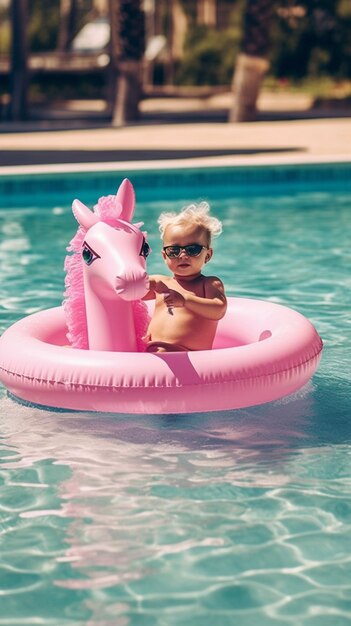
column 5, row 30
column 308, row 38
column 314, row 43
column 208, row 59
column 5, row 37
column 189, row 7
column 44, row 21
column 43, row 24
column 209, row 56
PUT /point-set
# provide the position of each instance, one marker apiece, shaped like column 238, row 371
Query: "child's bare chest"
column 196, row 287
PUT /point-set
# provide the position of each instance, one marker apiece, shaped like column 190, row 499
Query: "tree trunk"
column 19, row 54
column 127, row 93
column 206, row 12
column 127, row 48
column 248, row 76
column 68, row 14
column 252, row 63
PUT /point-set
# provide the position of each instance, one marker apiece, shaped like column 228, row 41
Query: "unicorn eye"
column 145, row 249
column 88, row 254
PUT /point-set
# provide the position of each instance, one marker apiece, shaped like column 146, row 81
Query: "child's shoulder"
column 212, row 280
column 157, row 277
column 213, row 283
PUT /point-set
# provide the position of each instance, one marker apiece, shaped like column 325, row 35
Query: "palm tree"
column 19, row 60
column 251, row 64
column 127, row 48
column 68, row 13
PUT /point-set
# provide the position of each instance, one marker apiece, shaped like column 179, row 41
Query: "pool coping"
column 172, row 164
column 207, row 178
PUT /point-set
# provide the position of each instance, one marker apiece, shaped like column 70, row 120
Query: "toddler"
column 188, row 304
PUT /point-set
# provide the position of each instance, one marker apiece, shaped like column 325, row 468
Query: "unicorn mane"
column 74, row 301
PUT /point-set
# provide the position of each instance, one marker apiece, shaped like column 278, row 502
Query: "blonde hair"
column 197, row 214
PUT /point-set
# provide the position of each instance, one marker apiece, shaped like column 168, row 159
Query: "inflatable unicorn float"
column 88, row 354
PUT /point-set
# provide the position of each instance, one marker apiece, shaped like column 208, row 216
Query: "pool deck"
column 178, row 133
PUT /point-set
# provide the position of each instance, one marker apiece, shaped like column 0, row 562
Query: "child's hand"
column 172, row 298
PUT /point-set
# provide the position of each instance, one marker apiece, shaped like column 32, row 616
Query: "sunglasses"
column 193, row 249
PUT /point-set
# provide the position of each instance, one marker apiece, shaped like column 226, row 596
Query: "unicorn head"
column 110, row 254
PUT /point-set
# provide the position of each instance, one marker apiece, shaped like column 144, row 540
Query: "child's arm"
column 212, row 307
column 151, row 294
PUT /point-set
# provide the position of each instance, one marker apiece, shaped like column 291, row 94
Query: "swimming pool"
column 237, row 517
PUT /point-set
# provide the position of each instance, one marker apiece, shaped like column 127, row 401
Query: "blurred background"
column 104, row 59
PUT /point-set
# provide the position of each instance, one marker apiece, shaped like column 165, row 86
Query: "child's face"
column 185, row 235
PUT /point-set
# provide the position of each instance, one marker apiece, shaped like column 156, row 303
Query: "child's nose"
column 183, row 251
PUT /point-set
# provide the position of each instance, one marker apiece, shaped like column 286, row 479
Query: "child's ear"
column 209, row 255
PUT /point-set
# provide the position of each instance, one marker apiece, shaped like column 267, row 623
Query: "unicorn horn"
column 126, row 196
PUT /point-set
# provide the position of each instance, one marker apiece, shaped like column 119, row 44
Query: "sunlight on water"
column 230, row 518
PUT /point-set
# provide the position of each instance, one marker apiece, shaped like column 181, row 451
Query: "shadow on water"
column 317, row 415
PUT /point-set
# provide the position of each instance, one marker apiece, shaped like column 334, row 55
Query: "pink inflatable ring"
column 262, row 351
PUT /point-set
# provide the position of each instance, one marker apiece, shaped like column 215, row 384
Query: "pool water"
column 231, row 518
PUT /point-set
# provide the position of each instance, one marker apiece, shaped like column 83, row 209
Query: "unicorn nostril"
column 132, row 286
column 120, row 284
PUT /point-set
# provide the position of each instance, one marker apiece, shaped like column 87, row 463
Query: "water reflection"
column 316, row 415
column 121, row 466
column 127, row 486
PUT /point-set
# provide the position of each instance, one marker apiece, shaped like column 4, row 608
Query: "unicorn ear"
column 126, row 196
column 84, row 216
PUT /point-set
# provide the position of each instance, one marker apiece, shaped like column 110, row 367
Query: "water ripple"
column 227, row 518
